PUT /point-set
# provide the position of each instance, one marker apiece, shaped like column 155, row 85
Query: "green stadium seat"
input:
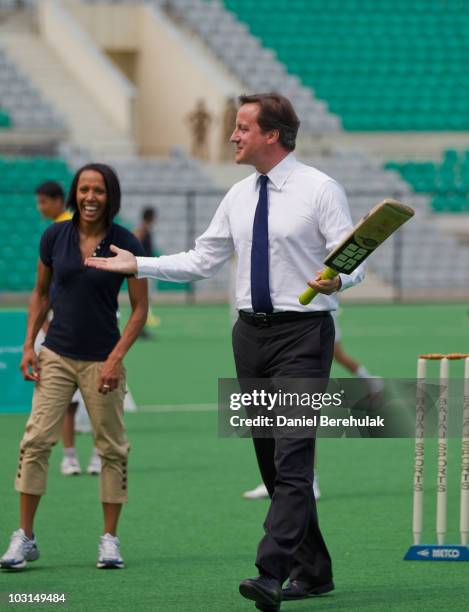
column 412, row 55
column 20, row 223
column 5, row 119
column 447, row 181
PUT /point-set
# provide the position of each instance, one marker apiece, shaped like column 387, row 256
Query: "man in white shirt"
column 281, row 221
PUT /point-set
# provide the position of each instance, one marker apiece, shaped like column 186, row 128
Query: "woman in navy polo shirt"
column 83, row 349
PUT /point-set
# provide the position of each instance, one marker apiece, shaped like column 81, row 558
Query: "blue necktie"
column 260, row 290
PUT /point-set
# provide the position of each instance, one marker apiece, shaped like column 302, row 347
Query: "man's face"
column 50, row 208
column 251, row 143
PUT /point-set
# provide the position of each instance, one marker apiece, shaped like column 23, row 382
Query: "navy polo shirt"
column 84, row 299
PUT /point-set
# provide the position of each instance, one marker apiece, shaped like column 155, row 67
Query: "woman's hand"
column 29, row 364
column 111, row 374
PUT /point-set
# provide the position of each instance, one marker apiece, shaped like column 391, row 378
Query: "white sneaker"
column 94, row 466
column 316, row 491
column 260, row 492
column 70, row 466
column 21, row 549
column 109, row 553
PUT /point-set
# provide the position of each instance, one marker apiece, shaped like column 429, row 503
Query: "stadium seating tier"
column 380, row 66
column 5, row 119
column 446, row 182
column 20, row 223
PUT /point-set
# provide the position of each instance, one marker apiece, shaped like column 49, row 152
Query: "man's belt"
column 262, row 319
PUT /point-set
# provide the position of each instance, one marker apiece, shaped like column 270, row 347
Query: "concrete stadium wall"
column 174, row 72
column 96, row 73
column 170, row 68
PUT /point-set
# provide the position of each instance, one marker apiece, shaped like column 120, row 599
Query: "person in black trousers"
column 281, row 221
column 301, row 348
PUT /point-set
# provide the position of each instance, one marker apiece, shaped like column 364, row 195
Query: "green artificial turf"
column 187, row 535
column 192, row 347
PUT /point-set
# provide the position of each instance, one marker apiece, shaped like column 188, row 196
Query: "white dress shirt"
column 308, row 217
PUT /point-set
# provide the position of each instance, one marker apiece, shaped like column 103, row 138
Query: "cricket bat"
column 371, row 231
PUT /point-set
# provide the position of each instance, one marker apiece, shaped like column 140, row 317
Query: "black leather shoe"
column 296, row 589
column 265, row 591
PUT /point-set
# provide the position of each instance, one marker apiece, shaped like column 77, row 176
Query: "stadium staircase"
column 30, row 55
column 21, row 103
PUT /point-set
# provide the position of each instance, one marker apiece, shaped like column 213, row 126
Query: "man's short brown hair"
column 276, row 113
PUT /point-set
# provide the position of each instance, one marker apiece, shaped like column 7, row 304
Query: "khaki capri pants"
column 59, row 378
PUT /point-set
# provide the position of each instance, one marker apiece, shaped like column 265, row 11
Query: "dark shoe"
column 265, row 591
column 296, row 589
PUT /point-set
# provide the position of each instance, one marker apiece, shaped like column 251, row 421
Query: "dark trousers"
column 293, row 546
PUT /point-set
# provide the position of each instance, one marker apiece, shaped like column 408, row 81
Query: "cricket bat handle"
column 308, row 295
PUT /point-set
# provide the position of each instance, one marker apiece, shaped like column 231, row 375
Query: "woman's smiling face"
column 91, row 196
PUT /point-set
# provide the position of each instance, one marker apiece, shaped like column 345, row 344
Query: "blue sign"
column 15, row 393
column 434, row 552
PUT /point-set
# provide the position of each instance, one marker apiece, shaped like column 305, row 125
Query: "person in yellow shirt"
column 50, row 201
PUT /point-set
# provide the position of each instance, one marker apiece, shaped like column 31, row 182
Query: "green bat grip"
column 306, row 297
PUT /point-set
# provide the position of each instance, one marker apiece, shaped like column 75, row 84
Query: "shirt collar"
column 280, row 173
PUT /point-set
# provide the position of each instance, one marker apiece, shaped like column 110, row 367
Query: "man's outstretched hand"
column 123, row 262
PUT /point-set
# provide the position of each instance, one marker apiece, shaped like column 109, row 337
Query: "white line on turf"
column 178, row 408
